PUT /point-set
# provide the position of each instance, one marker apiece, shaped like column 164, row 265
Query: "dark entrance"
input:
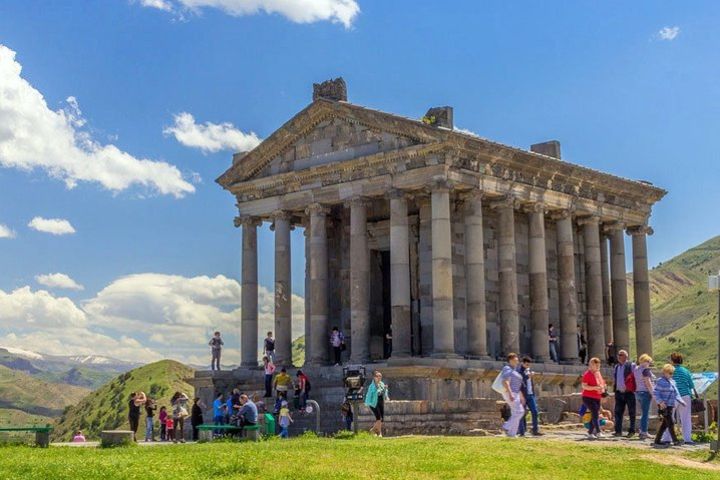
column 380, row 308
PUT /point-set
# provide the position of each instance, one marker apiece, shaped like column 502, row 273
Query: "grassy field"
column 363, row 458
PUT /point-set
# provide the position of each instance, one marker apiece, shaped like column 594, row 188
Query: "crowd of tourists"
column 167, row 425
column 632, row 384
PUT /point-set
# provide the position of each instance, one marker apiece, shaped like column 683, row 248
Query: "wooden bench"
column 250, row 432
column 42, row 433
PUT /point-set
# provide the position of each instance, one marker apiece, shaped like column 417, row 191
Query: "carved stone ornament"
column 334, row 89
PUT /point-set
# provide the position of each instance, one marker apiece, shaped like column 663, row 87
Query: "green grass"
column 363, row 458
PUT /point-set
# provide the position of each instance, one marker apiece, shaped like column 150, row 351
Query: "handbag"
column 498, row 385
column 697, row 404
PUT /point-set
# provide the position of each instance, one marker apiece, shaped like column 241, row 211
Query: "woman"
column 196, row 417
column 269, row 368
column 685, row 386
column 375, row 398
column 179, row 402
column 667, row 397
column 643, row 391
column 512, row 382
column 337, row 340
column 593, row 388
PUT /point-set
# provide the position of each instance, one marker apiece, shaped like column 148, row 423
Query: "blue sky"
column 598, row 76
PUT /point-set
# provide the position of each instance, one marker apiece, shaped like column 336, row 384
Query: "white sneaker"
column 590, row 436
column 598, row 435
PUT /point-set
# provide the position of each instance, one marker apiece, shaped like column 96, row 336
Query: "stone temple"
column 464, row 248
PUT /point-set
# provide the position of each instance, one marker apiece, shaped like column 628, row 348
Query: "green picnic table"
column 42, row 433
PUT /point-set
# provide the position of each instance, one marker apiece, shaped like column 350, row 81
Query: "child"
column 667, row 396
column 163, row 424
column 347, row 415
column 216, row 344
column 79, row 437
column 170, row 428
column 285, row 419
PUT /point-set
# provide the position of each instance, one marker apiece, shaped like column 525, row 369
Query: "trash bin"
column 269, row 424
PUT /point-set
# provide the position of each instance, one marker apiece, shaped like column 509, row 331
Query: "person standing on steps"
column 269, row 347
column 337, row 342
column 216, row 343
column 528, row 392
column 375, row 398
column 269, row 368
column 624, row 386
column 553, row 340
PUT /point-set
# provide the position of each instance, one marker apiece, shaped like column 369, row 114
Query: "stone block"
column 116, row 438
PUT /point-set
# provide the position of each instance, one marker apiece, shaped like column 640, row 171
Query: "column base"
column 250, row 364
column 479, row 357
column 541, row 360
column 449, row 355
column 570, row 361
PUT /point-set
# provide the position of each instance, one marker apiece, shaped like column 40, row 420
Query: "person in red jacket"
column 593, row 388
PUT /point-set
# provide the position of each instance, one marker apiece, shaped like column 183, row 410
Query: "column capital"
column 473, row 194
column 280, row 215
column 247, row 221
column 317, row 209
column 440, row 184
column 561, row 214
column 358, row 201
column 589, row 219
column 640, row 230
column 506, row 201
column 612, row 227
column 536, row 207
column 397, row 193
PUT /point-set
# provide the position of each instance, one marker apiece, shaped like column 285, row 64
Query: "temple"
column 457, row 246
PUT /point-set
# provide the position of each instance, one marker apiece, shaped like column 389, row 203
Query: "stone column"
column 538, row 283
column 567, row 293
column 359, row 282
column 606, row 300
column 317, row 349
column 283, row 289
column 641, row 289
column 249, row 298
column 507, row 267
column 400, row 275
column 593, row 283
column 618, row 288
column 475, row 277
column 442, row 276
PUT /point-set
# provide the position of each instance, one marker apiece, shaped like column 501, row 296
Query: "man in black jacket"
column 528, row 391
column 624, row 382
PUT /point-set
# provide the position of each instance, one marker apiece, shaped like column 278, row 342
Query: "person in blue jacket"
column 375, row 398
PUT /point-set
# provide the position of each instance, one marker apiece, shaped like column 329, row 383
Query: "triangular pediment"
column 327, row 132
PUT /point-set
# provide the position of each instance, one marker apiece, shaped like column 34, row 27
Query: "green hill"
column 107, row 407
column 23, row 392
column 298, row 351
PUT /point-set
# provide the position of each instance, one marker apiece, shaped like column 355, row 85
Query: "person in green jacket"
column 375, row 398
column 684, row 382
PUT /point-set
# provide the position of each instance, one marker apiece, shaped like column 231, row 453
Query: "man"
column 528, row 391
column 269, row 347
column 552, row 337
column 624, row 385
column 216, row 344
column 247, row 411
column 303, row 388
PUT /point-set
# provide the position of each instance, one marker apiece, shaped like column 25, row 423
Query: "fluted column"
column 593, row 286
column 400, row 275
column 283, row 289
column 359, row 282
column 567, row 292
column 618, row 288
column 539, row 310
column 507, row 267
column 606, row 300
column 641, row 289
column 475, row 277
column 249, row 295
column 442, row 278
column 318, row 351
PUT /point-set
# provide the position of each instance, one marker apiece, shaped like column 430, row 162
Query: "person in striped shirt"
column 667, row 397
column 683, row 381
column 512, row 382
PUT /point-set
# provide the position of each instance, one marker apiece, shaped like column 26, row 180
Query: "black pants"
column 134, row 422
column 379, row 408
column 593, row 404
column 337, row 351
column 668, row 423
column 268, row 385
column 622, row 400
column 179, row 429
column 215, row 362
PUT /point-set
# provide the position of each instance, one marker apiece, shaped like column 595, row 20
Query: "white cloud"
column 668, row 33
column 6, row 232
column 54, row 226
column 210, row 137
column 32, row 136
column 39, row 309
column 298, row 11
column 58, row 280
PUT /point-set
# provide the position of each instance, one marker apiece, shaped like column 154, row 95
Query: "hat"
column 284, row 403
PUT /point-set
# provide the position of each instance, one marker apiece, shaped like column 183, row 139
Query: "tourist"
column 162, row 418
column 216, row 344
column 218, row 412
column 196, row 417
column 78, row 437
column 303, row 389
column 512, row 383
column 285, row 419
column 282, row 384
column 137, row 399
column 150, row 408
column 259, row 403
column 553, row 340
column 170, row 428
column 269, row 368
column 269, row 347
column 593, row 389
column 375, row 398
column 528, row 392
column 624, row 387
column 347, row 414
column 667, row 396
column 337, row 342
column 582, row 347
column 387, row 344
column 685, row 386
column 179, row 402
column 246, row 412
column 643, row 392
column 229, row 406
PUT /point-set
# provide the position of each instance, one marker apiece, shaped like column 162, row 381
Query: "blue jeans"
column 531, row 405
column 348, row 422
column 148, row 429
column 645, row 399
column 553, row 352
column 284, row 432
